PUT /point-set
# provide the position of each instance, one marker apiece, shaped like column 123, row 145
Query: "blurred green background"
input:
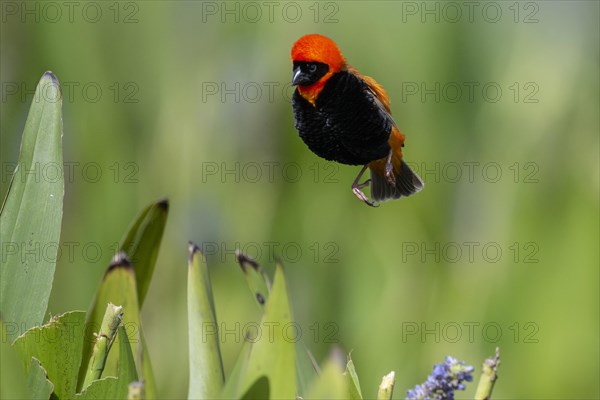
column 191, row 101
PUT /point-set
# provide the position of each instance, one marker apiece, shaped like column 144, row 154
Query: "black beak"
column 299, row 77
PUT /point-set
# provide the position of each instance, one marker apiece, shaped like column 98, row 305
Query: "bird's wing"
column 378, row 93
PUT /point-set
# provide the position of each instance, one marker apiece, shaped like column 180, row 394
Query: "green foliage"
column 156, row 122
column 51, row 354
column 114, row 387
column 57, row 345
column 206, row 368
column 352, row 382
column 32, row 213
column 142, row 241
column 273, row 355
column 38, row 385
column 70, row 356
column 119, row 286
column 331, row 384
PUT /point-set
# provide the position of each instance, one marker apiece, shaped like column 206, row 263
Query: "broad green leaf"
column 142, row 242
column 31, row 215
column 127, row 370
column 259, row 390
column 206, row 368
column 307, row 368
column 39, row 387
column 352, row 381
column 257, row 279
column 13, row 381
column 57, row 345
column 273, row 353
column 235, row 380
column 118, row 287
column 147, row 372
column 331, row 384
column 106, row 388
column 260, row 286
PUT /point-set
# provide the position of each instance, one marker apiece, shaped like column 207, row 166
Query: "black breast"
column 347, row 124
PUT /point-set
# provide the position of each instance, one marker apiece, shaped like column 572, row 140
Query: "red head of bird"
column 315, row 58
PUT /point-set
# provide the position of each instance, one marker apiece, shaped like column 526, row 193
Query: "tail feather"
column 407, row 183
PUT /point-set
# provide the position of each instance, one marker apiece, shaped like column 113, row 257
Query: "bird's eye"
column 312, row 68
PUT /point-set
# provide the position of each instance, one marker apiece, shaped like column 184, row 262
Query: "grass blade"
column 142, row 242
column 352, row 381
column 31, row 214
column 118, row 287
column 206, row 367
column 257, row 279
column 331, row 384
column 274, row 354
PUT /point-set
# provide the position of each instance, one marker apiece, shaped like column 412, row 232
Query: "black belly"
column 346, row 124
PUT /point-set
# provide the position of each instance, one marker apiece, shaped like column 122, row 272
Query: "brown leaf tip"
column 163, row 204
column 246, row 261
column 119, row 260
column 193, row 248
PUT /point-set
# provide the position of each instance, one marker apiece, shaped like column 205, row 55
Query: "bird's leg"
column 389, row 169
column 356, row 187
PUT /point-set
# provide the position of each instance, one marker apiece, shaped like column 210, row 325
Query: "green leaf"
column 57, row 345
column 13, row 381
column 37, row 381
column 307, row 368
column 272, row 355
column 127, row 370
column 142, row 242
column 118, row 287
column 111, row 387
column 107, row 388
column 31, row 215
column 260, row 287
column 233, row 384
column 331, row 384
column 352, row 381
column 257, row 279
column 206, row 368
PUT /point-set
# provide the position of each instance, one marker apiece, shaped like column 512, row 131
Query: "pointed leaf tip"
column 119, row 260
column 50, row 75
column 246, row 261
column 193, row 249
column 163, row 204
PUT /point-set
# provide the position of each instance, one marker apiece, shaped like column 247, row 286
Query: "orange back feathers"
column 318, row 48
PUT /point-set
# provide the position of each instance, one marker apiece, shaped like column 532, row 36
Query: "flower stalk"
column 104, row 340
column 488, row 377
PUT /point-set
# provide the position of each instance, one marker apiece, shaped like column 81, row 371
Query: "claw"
column 362, row 197
column 356, row 188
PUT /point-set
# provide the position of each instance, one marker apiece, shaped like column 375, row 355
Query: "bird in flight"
column 344, row 116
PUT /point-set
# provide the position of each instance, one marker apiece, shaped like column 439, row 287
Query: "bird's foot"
column 357, row 188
